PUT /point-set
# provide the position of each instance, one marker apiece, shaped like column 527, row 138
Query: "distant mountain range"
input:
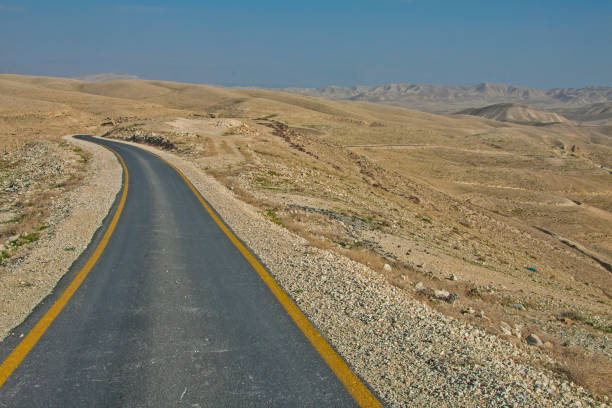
column 494, row 101
column 451, row 99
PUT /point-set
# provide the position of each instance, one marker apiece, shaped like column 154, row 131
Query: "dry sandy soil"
column 502, row 225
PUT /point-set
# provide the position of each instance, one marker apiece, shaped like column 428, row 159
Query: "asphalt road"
column 171, row 315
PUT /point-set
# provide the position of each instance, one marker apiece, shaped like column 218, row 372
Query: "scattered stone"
column 480, row 314
column 419, row 286
column 505, row 328
column 453, row 277
column 469, row 310
column 517, row 306
column 452, row 298
column 387, row 268
column 533, row 340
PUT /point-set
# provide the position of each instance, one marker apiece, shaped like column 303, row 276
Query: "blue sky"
column 542, row 44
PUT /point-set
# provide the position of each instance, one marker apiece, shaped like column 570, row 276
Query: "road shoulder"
column 75, row 217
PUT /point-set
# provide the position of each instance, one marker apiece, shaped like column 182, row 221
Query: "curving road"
column 171, row 315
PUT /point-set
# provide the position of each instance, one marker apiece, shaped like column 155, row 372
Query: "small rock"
column 387, row 268
column 480, row 314
column 419, row 286
column 517, row 306
column 505, row 328
column 13, row 238
column 469, row 310
column 441, row 294
column 453, row 277
column 567, row 343
column 533, row 340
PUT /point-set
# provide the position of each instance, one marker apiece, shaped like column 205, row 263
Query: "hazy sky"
column 313, row 43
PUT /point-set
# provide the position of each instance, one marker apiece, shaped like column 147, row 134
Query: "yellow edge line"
column 362, row 395
column 21, row 351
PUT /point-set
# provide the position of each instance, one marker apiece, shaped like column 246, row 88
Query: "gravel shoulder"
column 408, row 353
column 75, row 217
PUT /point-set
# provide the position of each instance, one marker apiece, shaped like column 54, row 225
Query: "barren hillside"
column 596, row 112
column 513, row 112
column 513, row 221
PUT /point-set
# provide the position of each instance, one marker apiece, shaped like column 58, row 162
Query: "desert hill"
column 517, row 113
column 596, row 112
column 447, row 99
column 106, row 77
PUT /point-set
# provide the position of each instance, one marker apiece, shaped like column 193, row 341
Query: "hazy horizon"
column 320, row 87
column 275, row 45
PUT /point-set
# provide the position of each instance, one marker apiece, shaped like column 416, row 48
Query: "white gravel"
column 75, row 217
column 408, row 353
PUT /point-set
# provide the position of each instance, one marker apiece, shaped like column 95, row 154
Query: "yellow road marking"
column 23, row 348
column 362, row 395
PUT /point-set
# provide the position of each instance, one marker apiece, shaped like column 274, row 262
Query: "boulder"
column 533, row 340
